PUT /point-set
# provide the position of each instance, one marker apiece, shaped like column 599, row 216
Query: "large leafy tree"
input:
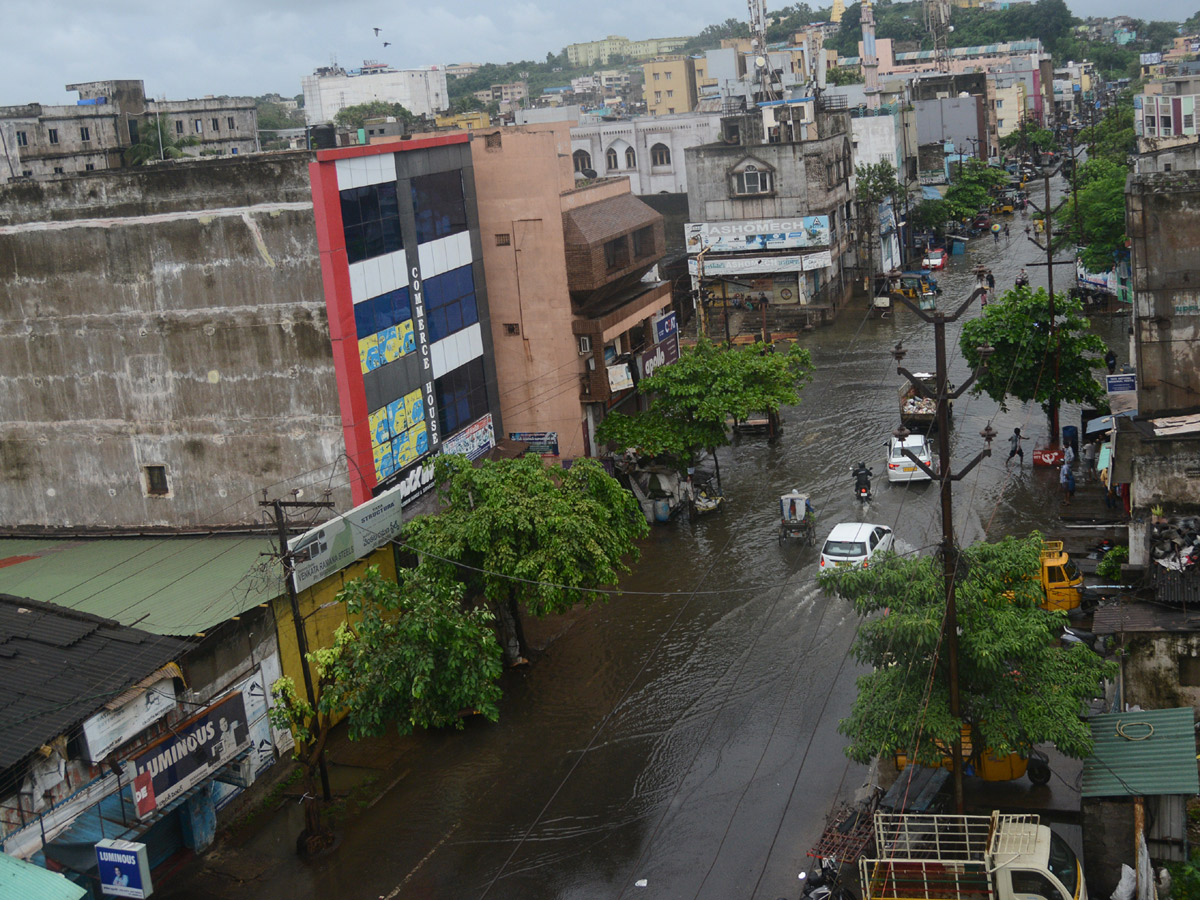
column 409, row 654
column 157, row 141
column 1098, row 224
column 1018, row 687
column 1017, row 326
column 357, row 115
column 972, row 186
column 520, row 535
column 693, row 398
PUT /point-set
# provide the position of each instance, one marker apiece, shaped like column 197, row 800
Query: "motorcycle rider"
column 862, row 479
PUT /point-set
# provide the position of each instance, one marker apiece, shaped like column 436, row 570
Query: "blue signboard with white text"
column 124, row 868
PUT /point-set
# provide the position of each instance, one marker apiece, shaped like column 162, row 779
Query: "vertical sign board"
column 124, row 868
column 1122, row 392
column 192, row 752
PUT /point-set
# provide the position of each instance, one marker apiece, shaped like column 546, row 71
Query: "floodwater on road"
column 680, row 740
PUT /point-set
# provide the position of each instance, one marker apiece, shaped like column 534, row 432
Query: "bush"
column 1110, row 567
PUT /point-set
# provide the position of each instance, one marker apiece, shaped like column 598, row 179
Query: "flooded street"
column 680, row 741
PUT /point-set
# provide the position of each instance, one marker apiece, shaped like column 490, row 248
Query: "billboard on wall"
column 756, row 235
column 123, row 868
column 764, row 264
column 473, row 441
column 192, row 752
column 661, row 354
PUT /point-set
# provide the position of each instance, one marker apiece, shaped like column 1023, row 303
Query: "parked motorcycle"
column 824, row 881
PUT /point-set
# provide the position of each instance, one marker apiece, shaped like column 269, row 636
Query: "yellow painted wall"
column 320, row 623
column 477, row 119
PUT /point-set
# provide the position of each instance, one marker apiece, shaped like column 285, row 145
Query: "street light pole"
column 946, row 478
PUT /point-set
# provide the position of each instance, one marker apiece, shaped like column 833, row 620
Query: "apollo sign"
column 661, row 354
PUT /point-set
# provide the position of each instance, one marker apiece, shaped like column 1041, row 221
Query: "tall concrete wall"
column 172, row 317
column 1162, row 219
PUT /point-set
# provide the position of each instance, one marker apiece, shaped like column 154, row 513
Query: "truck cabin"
column 1061, row 578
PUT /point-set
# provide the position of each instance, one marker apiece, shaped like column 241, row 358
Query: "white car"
column 900, row 467
column 854, row 543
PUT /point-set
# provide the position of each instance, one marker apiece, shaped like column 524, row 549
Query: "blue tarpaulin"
column 930, row 193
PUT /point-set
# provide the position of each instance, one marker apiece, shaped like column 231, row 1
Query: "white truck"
column 949, row 857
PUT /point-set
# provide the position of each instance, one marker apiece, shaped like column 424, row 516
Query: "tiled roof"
column 59, row 666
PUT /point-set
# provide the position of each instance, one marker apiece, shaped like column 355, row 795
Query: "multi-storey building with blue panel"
column 400, row 256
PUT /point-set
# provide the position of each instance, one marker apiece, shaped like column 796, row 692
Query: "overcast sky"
column 252, row 47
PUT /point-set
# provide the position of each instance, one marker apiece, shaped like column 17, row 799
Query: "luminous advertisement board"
column 190, row 753
column 124, row 868
column 753, row 236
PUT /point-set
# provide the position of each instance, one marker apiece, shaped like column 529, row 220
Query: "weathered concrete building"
column 39, row 141
column 331, row 89
column 754, row 203
column 164, row 349
column 650, row 151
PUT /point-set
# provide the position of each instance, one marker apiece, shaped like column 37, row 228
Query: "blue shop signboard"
column 124, row 868
column 193, row 751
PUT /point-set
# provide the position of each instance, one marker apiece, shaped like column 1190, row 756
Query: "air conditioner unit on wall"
column 585, row 345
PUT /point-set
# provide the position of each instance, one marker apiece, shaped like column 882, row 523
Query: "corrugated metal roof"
column 21, row 879
column 1133, row 617
column 1142, row 753
column 169, row 585
column 59, row 666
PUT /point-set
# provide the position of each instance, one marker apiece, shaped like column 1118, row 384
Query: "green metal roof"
column 21, row 879
column 168, row 585
column 1142, row 754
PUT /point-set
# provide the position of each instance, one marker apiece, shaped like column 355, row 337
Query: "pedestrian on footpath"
column 1110, row 360
column 1015, row 443
column 1089, row 461
column 1069, row 457
column 1067, row 479
column 1006, row 229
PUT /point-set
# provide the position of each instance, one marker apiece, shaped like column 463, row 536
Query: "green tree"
column 356, row 116
column 1018, row 687
column 1113, row 137
column 409, row 654
column 274, row 116
column 1100, row 217
column 1017, row 326
column 931, row 215
column 839, row 75
column 972, row 187
column 693, row 398
column 1157, row 36
column 521, row 535
column 157, row 141
column 874, row 183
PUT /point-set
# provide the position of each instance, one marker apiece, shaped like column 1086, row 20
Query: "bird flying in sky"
column 377, row 30
column 387, row 43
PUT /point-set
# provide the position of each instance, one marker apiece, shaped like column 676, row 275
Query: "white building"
column 647, row 149
column 331, row 89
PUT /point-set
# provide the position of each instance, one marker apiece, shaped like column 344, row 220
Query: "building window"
column 660, row 155
column 656, row 76
column 643, row 241
column 999, row 104
column 58, row 170
column 658, row 96
column 133, row 131
column 85, row 133
column 28, row 173
column 752, row 181
column 616, row 253
column 54, row 135
column 371, row 219
column 179, row 126
column 450, row 302
column 503, row 240
column 610, row 158
column 22, row 139
column 216, row 124
column 461, row 396
column 582, row 160
column 1189, row 121
column 439, row 205
column 198, row 126
column 668, row 74
column 670, row 94
column 88, row 167
column 999, row 123
column 630, row 158
column 156, row 481
column 229, row 122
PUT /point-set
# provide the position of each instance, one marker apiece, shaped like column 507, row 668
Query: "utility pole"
column 943, row 394
column 1047, row 217
column 285, row 557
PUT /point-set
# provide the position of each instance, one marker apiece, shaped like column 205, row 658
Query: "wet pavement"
column 680, row 741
